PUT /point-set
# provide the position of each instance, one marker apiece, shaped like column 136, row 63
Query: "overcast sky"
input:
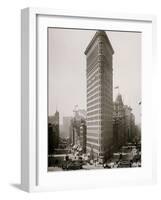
column 67, row 69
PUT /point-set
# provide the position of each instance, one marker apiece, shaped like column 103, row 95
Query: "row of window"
column 94, row 123
column 94, row 79
column 92, row 55
column 94, row 107
column 100, row 94
column 106, row 106
column 92, row 140
column 100, row 87
column 102, row 77
column 93, row 118
column 103, row 89
column 93, row 128
column 95, row 71
column 93, row 112
column 102, row 117
column 102, row 68
column 93, row 97
column 101, row 128
column 95, row 62
column 94, row 102
column 99, row 100
column 94, row 91
column 97, row 83
column 105, row 85
column 105, row 113
column 98, row 112
column 92, row 66
column 93, row 134
column 92, row 76
column 100, row 123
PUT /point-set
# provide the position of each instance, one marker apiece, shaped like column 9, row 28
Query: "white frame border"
column 29, row 86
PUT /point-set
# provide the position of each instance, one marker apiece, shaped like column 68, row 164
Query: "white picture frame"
column 34, row 176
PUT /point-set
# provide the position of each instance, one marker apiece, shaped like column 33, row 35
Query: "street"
column 127, row 156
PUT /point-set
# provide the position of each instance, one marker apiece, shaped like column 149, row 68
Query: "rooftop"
column 97, row 34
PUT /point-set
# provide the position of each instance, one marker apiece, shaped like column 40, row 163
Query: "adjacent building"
column 119, row 134
column 53, row 132
column 124, row 128
column 99, row 56
column 130, row 124
column 83, row 135
column 78, row 130
column 66, row 126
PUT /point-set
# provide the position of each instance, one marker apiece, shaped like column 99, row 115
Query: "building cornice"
column 97, row 34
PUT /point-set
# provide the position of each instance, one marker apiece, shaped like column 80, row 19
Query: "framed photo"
column 86, row 100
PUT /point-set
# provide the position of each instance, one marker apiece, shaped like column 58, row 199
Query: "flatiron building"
column 99, row 72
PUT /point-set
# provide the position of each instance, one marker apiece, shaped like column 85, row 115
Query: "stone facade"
column 130, row 124
column 99, row 54
column 119, row 123
column 124, row 127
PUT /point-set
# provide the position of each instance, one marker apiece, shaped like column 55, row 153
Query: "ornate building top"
column 119, row 99
column 98, row 34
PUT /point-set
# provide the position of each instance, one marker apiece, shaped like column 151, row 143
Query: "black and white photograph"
column 94, row 99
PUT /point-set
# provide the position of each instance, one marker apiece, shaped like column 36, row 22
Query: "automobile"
column 113, row 161
column 115, row 157
column 111, row 164
column 124, row 164
column 125, row 161
column 107, row 165
column 137, row 158
column 72, row 165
